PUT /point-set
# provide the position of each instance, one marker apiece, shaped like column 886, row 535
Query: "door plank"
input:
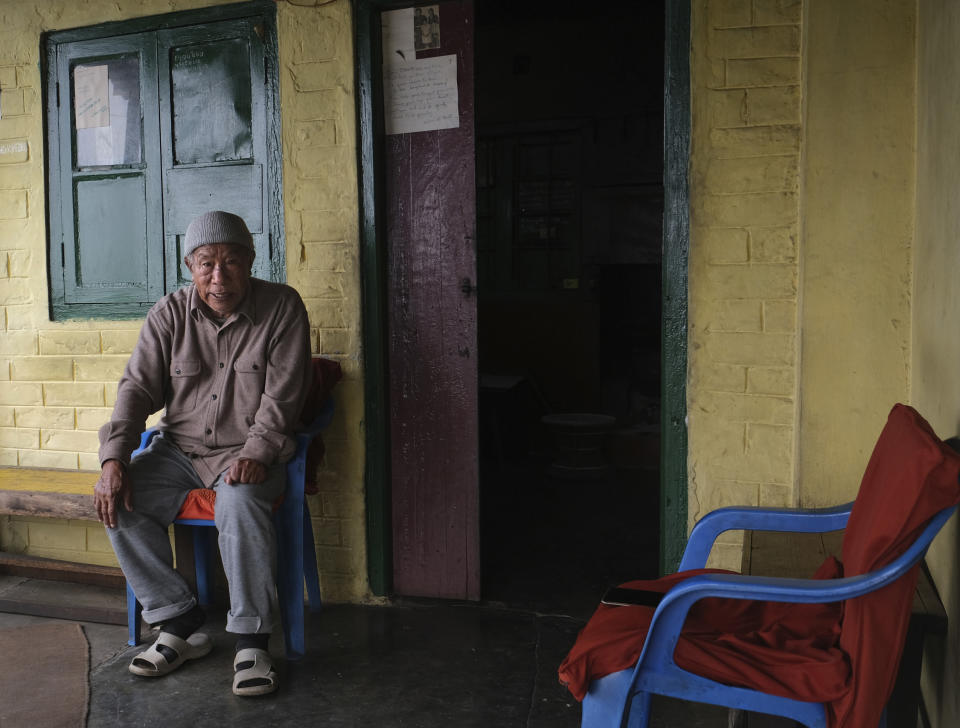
column 431, row 220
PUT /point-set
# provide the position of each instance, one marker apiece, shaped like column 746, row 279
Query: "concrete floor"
column 409, row 664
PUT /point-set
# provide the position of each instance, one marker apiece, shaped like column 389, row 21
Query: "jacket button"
column 255, row 367
column 177, row 371
column 213, row 396
column 209, row 431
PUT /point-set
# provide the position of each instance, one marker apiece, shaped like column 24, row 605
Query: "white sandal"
column 152, row 662
column 257, row 672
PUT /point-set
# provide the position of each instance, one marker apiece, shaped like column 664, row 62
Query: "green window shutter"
column 109, row 174
column 213, row 128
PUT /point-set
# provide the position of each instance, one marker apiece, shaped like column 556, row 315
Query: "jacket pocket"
column 184, row 384
column 251, row 376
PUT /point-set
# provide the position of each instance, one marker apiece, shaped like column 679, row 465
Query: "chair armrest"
column 796, row 520
column 303, row 436
column 145, row 439
column 672, row 611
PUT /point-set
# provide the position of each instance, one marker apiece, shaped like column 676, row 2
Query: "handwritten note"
column 91, row 106
column 421, row 95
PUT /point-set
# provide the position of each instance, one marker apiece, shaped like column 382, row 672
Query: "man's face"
column 221, row 273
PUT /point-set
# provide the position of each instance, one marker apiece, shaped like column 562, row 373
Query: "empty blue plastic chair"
column 296, row 555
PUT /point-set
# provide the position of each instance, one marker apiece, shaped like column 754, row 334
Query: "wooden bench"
column 65, row 494
column 798, row 555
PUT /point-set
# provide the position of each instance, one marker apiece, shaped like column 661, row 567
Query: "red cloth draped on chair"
column 843, row 654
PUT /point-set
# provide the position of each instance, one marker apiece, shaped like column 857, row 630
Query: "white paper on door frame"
column 421, row 95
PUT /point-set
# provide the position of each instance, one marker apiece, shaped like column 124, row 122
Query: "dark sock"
column 186, row 624
column 259, row 641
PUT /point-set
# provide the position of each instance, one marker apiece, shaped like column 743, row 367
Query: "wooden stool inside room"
column 579, row 440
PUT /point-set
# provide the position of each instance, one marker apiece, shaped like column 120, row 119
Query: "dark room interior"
column 569, row 221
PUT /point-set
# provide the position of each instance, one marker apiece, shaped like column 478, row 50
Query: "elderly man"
column 229, row 359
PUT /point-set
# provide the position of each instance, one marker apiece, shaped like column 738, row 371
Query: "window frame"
column 263, row 14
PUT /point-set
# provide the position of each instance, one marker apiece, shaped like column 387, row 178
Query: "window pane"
column 211, row 102
column 111, row 242
column 106, row 112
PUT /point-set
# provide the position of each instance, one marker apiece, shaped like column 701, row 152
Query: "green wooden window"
column 150, row 125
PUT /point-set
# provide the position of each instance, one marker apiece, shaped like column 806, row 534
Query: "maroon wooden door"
column 431, row 212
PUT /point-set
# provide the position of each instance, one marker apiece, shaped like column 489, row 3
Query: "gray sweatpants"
column 161, row 477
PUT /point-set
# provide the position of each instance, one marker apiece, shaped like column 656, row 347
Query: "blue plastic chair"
column 296, row 554
column 623, row 698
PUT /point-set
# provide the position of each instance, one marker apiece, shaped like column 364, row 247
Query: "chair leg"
column 203, row 555
column 603, row 705
column 290, row 578
column 310, row 569
column 639, row 716
column 134, row 611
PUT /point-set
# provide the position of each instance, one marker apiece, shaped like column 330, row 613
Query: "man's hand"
column 245, row 470
column 112, row 486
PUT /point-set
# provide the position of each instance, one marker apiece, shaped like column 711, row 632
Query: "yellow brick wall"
column 322, row 233
column 58, row 379
column 743, row 269
column 58, row 539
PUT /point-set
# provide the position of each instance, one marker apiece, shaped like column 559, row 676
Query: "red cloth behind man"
column 326, row 373
column 845, row 655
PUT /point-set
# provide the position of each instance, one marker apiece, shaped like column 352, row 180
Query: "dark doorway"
column 569, row 110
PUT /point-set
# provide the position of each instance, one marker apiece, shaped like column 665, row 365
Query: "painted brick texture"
column 744, row 275
column 58, row 379
column 322, row 234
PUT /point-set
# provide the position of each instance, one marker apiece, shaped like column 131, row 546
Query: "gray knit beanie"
column 217, row 227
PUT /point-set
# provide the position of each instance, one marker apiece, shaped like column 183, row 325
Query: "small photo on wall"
column 426, row 27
